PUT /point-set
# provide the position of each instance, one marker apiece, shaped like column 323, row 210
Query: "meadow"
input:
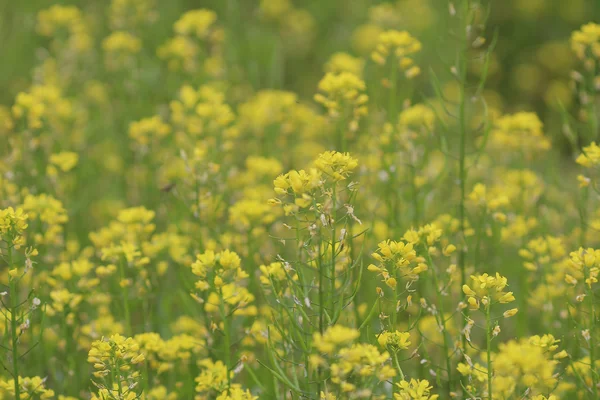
column 294, row 200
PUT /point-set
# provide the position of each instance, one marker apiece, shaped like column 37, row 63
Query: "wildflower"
column 132, row 13
column 213, row 376
column 520, row 131
column 590, row 157
column 147, row 130
column 402, row 46
column 394, row 340
column 336, row 165
column 116, row 354
column 65, row 160
column 487, row 289
column 415, row 389
column 12, row 226
column 343, row 91
column 196, row 22
column 53, row 20
column 334, row 336
column 586, row 42
column 344, row 62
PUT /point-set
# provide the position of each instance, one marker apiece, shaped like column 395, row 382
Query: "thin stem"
column 333, row 241
column 488, row 334
column 592, row 341
column 125, row 296
column 397, row 364
column 227, row 339
column 393, row 94
column 14, row 300
column 463, row 126
column 442, row 322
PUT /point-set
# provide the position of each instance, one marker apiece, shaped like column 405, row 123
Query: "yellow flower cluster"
column 196, row 34
column 487, row 290
column 119, row 47
column 590, row 158
column 585, row 264
column 57, row 18
column 31, row 388
column 586, row 42
column 397, row 260
column 344, row 62
column 223, row 273
column 131, row 13
column 12, row 226
column 403, row 46
column 343, row 95
column 416, row 389
column 64, row 161
column 528, row 362
column 116, row 354
column 394, row 340
column 521, row 131
column 149, row 130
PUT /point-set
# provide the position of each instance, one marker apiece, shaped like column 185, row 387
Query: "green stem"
column 227, row 338
column 488, row 334
column 125, row 296
column 415, row 196
column 442, row 322
column 118, row 373
column 14, row 303
column 333, row 241
column 321, row 307
column 397, row 364
column 462, row 171
column 393, row 94
column 592, row 341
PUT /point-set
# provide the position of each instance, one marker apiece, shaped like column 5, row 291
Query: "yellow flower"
column 585, row 43
column 344, row 62
column 590, row 156
column 402, row 46
column 334, row 336
column 343, row 91
column 415, row 389
column 336, row 165
column 510, row 313
column 394, row 340
column 65, row 160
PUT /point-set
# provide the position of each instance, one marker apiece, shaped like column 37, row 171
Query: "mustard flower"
column 196, row 23
column 521, row 131
column 213, row 376
column 31, row 388
column 12, row 225
column 402, row 46
column 487, row 289
column 586, row 42
column 394, row 340
column 275, row 9
column 342, row 92
column 415, row 389
column 148, row 130
column 65, row 160
column 53, row 20
column 333, row 337
column 336, row 165
column 130, row 13
column 344, row 62
column 590, row 158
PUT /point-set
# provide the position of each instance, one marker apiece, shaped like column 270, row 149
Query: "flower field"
column 299, row 199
